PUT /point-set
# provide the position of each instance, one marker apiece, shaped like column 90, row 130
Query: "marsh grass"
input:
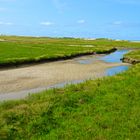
column 133, row 55
column 19, row 50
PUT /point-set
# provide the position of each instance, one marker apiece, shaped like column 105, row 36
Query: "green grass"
column 134, row 55
column 104, row 109
column 18, row 50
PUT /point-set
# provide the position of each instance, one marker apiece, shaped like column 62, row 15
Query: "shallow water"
column 116, row 70
column 114, row 57
column 89, row 60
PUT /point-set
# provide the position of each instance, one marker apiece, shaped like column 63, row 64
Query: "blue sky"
column 117, row 19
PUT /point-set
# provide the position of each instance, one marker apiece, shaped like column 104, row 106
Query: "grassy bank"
column 102, row 109
column 132, row 57
column 22, row 50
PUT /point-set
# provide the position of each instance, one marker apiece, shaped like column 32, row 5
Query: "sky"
column 116, row 19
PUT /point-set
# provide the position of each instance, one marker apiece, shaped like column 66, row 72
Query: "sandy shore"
column 17, row 83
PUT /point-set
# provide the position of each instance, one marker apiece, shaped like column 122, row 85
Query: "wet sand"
column 17, row 83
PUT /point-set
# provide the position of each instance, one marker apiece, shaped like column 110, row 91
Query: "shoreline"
column 130, row 60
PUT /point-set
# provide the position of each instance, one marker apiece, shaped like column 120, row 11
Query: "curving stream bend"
column 18, row 83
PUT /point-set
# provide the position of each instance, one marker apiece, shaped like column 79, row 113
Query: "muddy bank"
column 130, row 60
column 49, row 74
column 18, row 83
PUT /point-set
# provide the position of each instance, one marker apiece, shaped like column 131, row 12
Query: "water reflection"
column 116, row 70
column 114, row 57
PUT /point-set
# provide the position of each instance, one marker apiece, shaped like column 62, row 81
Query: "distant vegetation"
column 103, row 109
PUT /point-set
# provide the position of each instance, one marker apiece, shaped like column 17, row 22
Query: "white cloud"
column 47, row 23
column 5, row 23
column 124, row 24
column 81, row 21
column 117, row 23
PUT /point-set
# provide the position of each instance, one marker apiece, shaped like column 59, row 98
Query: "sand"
column 17, row 83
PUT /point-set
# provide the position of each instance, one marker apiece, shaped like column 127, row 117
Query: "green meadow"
column 19, row 50
column 102, row 109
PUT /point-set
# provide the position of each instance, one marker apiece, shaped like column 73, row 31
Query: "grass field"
column 19, row 50
column 102, row 109
column 134, row 55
